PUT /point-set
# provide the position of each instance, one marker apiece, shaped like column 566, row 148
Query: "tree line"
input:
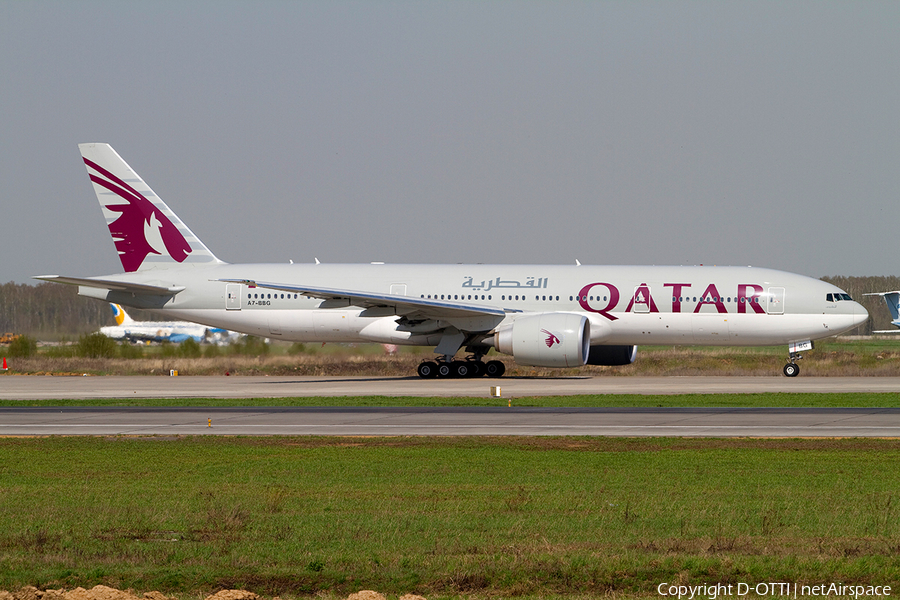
column 50, row 311
column 857, row 287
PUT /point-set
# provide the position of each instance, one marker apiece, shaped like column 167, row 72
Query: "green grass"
column 784, row 400
column 460, row 518
column 850, row 357
column 510, row 517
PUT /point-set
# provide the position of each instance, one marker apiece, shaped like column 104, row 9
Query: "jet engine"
column 612, row 356
column 546, row 340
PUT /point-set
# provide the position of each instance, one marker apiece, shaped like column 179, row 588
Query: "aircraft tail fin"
column 120, row 315
column 892, row 299
column 147, row 234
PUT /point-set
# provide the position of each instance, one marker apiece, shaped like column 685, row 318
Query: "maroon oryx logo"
column 141, row 228
column 551, row 339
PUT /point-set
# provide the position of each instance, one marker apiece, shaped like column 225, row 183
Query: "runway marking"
column 480, row 426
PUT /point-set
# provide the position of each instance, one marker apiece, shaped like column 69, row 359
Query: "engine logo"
column 551, row 339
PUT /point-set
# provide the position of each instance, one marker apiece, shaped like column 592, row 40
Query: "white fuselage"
column 163, row 331
column 733, row 306
column 541, row 315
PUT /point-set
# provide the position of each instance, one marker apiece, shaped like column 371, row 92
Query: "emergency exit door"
column 233, row 296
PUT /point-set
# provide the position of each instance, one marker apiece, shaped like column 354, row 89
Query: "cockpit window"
column 837, row 297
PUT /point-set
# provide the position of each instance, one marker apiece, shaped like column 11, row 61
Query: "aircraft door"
column 398, row 289
column 641, row 299
column 233, row 296
column 775, row 301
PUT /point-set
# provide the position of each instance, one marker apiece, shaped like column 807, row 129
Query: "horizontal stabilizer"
column 113, row 285
column 403, row 305
column 892, row 300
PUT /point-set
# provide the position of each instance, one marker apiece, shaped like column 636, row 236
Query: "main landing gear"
column 470, row 367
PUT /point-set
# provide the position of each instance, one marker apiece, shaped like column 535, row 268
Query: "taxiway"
column 85, row 388
column 454, row 421
column 257, row 419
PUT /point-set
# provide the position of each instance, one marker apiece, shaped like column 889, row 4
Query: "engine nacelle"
column 546, row 340
column 612, row 356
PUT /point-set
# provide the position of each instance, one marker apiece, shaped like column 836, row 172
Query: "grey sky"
column 763, row 133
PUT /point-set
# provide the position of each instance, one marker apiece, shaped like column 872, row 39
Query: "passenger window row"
column 488, row 297
column 453, row 297
column 714, row 299
column 269, row 297
column 830, row 298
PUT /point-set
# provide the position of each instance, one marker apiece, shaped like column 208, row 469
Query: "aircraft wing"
column 113, row 285
column 407, row 306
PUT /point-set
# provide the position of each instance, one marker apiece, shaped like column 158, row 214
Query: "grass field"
column 873, row 356
column 445, row 518
column 783, row 400
column 566, row 518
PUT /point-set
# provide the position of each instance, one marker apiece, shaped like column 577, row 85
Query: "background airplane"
column 175, row 332
column 892, row 300
column 541, row 315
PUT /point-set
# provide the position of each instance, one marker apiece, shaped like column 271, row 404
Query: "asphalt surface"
column 14, row 387
column 455, row 421
column 444, row 421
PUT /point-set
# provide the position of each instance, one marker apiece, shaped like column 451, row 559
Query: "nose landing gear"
column 792, row 369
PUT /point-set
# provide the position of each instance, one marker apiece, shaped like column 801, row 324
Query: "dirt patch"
column 102, row 592
column 99, row 592
column 233, row 595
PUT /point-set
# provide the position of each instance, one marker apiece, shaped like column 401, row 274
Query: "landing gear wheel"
column 460, row 369
column 427, row 370
column 444, row 370
column 477, row 368
column 791, row 370
column 494, row 368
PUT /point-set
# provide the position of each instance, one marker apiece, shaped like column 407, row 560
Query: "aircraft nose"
column 860, row 314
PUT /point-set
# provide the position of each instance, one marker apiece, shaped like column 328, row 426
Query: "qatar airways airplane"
column 541, row 315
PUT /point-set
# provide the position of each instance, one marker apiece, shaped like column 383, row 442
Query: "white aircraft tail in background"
column 541, row 315
column 892, row 300
column 175, row 332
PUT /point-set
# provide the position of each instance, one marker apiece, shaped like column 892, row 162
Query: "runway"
column 501, row 420
column 86, row 388
column 454, row 421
